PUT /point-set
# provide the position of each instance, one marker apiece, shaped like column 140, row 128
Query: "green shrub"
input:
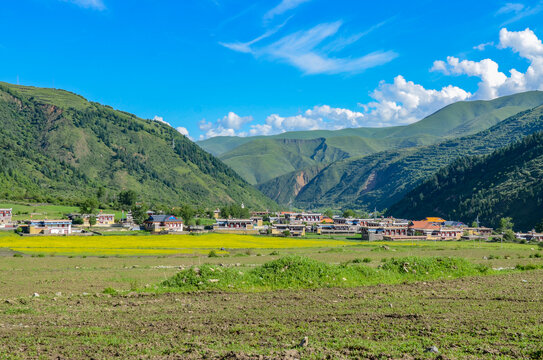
column 212, row 254
column 274, row 253
column 110, row 291
column 17, row 255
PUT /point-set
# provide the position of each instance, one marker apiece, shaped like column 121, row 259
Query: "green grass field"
column 23, row 211
column 105, row 306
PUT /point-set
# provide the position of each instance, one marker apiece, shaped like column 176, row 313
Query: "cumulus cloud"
column 89, row 4
column 404, row 102
column 183, row 131
column 303, row 50
column 493, row 82
column 161, row 120
column 225, row 126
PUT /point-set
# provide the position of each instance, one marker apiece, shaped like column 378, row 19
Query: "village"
column 283, row 224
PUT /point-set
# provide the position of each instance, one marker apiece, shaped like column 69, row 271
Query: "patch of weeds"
column 528, row 267
column 274, row 253
column 248, row 252
column 258, row 254
column 212, row 254
column 332, row 251
column 17, row 255
column 240, row 255
column 134, row 285
column 40, row 255
column 103, row 257
column 536, row 256
column 109, row 291
column 70, row 257
column 297, row 272
column 17, row 311
column 493, row 257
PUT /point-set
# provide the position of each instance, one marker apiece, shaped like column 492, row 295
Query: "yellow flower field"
column 154, row 244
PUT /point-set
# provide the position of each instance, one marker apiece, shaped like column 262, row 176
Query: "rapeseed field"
column 155, row 244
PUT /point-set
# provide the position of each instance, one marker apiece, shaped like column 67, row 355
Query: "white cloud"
column 161, row 120
column 483, row 46
column 404, row 102
column 301, row 49
column 284, row 6
column 89, row 4
column 183, row 131
column 225, row 126
column 510, row 7
column 519, row 11
column 493, row 82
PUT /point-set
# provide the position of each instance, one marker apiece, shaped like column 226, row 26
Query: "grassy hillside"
column 260, row 159
column 381, row 179
column 507, row 183
column 57, row 147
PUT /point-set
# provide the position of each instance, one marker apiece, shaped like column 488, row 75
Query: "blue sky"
column 232, row 67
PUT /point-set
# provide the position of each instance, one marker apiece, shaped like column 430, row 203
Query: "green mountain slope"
column 58, row 147
column 260, row 159
column 381, row 179
column 509, row 182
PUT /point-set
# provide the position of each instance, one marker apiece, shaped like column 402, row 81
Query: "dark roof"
column 163, row 218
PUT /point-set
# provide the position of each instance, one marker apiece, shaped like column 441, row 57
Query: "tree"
column 88, row 206
column 349, row 213
column 92, row 221
column 539, row 227
column 77, row 221
column 128, row 198
column 139, row 214
column 187, row 213
column 329, row 213
column 506, row 223
column 474, row 224
column 100, row 193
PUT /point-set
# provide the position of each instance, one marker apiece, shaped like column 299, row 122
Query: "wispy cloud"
column 245, row 47
column 519, row 11
column 88, row 4
column 284, row 6
column 301, row 49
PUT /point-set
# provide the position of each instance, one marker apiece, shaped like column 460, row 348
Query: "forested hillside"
column 507, row 183
column 382, row 179
column 57, row 147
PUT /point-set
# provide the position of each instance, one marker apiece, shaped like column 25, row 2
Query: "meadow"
column 104, row 296
column 25, row 211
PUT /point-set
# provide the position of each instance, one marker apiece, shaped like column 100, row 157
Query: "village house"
column 158, row 223
column 530, row 236
column 5, row 217
column 47, row 227
column 234, row 224
column 478, row 232
column 105, row 219
column 293, row 229
column 309, row 218
column 434, row 230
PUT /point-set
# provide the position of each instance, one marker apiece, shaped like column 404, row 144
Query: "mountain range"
column 58, row 147
column 345, row 168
